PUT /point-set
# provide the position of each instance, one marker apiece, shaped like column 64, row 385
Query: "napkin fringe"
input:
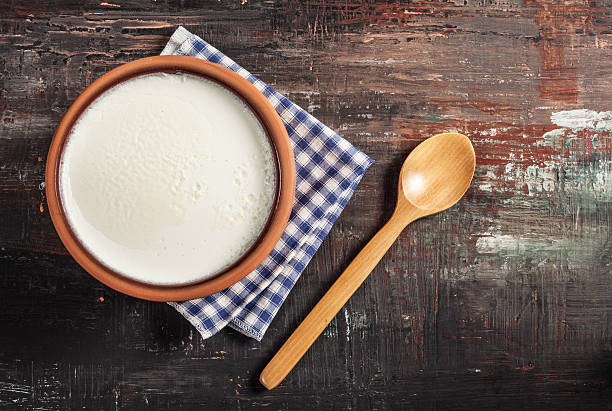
column 239, row 325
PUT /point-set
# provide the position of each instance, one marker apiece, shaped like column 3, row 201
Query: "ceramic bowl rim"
column 285, row 189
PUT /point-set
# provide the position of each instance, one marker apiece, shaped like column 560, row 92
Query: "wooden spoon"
column 434, row 177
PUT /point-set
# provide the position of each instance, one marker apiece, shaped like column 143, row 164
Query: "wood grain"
column 433, row 178
column 501, row 302
column 336, row 297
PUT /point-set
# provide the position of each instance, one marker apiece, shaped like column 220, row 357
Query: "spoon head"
column 438, row 172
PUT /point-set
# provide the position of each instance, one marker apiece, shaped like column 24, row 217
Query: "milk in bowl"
column 167, row 178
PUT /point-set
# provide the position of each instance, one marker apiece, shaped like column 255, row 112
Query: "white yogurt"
column 167, row 178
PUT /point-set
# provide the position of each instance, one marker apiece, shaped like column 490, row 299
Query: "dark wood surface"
column 501, row 302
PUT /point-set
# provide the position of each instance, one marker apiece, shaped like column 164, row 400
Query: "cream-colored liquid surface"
column 167, row 178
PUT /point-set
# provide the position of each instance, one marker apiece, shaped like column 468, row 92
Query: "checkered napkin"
column 328, row 171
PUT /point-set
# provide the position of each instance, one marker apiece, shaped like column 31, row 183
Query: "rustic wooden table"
column 501, row 302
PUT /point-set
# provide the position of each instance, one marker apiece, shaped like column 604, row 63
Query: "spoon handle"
column 335, row 298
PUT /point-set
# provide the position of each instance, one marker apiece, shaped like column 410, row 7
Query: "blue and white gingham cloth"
column 328, row 171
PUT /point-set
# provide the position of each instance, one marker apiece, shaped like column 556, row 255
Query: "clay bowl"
column 285, row 187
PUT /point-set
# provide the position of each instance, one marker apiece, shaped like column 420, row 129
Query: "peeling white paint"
column 490, row 242
column 565, row 171
column 347, row 318
column 540, row 179
column 485, row 187
column 549, row 138
column 575, row 170
column 583, row 118
column 490, row 174
column 489, row 132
